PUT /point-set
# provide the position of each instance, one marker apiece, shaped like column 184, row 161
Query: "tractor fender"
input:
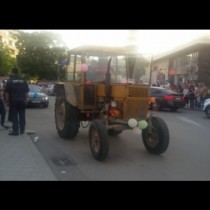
column 66, row 90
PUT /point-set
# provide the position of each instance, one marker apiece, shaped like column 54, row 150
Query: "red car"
column 166, row 98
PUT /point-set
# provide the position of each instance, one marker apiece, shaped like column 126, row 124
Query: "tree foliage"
column 6, row 60
column 40, row 54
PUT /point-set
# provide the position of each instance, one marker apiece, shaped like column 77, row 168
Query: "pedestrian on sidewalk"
column 203, row 94
column 186, row 96
column 16, row 96
column 191, row 94
column 2, row 104
column 9, row 116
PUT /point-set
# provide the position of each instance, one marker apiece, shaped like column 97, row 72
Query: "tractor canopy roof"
column 127, row 50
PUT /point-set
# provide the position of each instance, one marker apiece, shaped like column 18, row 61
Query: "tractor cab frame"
column 104, row 86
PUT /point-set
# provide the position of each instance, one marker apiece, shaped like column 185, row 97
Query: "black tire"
column 45, row 105
column 67, row 119
column 158, row 106
column 113, row 132
column 157, row 142
column 207, row 111
column 174, row 109
column 98, row 140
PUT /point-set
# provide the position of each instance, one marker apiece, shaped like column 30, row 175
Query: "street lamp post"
column 58, row 70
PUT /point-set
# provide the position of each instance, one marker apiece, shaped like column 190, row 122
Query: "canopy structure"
column 127, row 50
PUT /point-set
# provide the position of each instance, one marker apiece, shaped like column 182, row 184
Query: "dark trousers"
column 18, row 116
column 2, row 111
column 192, row 102
column 9, row 115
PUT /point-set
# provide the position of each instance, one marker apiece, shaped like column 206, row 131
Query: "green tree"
column 40, row 54
column 6, row 60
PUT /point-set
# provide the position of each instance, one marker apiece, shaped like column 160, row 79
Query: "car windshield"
column 34, row 88
column 169, row 92
column 162, row 91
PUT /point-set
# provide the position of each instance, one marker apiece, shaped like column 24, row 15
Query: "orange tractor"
column 103, row 86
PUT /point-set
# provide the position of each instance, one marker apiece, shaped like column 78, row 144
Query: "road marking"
column 189, row 121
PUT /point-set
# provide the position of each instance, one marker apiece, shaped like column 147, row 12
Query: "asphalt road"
column 187, row 157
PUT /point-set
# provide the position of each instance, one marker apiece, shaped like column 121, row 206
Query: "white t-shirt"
column 185, row 91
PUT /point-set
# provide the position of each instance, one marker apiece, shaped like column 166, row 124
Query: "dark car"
column 166, row 98
column 37, row 97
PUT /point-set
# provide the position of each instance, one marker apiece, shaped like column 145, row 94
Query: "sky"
column 148, row 41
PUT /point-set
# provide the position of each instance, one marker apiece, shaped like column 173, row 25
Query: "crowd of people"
column 194, row 94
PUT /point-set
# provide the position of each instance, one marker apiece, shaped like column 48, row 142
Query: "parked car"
column 206, row 107
column 166, row 98
column 37, row 97
column 166, row 84
column 49, row 90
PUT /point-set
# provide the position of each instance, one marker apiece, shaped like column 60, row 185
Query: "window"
column 78, row 73
column 70, row 69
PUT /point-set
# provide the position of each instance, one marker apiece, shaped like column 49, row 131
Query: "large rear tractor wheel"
column 98, row 140
column 67, row 119
column 156, row 141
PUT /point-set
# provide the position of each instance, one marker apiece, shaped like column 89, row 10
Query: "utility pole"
column 58, row 70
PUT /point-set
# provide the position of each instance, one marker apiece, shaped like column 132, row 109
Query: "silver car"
column 36, row 97
column 49, row 90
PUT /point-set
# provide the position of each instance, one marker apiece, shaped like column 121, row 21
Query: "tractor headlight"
column 113, row 104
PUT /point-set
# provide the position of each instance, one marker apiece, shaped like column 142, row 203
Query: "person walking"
column 203, row 93
column 197, row 96
column 191, row 94
column 186, row 96
column 2, row 104
column 16, row 92
column 9, row 116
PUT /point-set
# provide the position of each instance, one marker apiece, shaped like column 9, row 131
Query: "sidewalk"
column 20, row 160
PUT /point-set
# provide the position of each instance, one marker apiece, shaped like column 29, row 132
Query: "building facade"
column 190, row 63
column 8, row 38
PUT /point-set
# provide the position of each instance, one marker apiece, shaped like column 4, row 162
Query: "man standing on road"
column 2, row 105
column 16, row 95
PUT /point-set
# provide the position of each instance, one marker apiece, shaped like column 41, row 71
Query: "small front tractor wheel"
column 156, row 141
column 98, row 140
